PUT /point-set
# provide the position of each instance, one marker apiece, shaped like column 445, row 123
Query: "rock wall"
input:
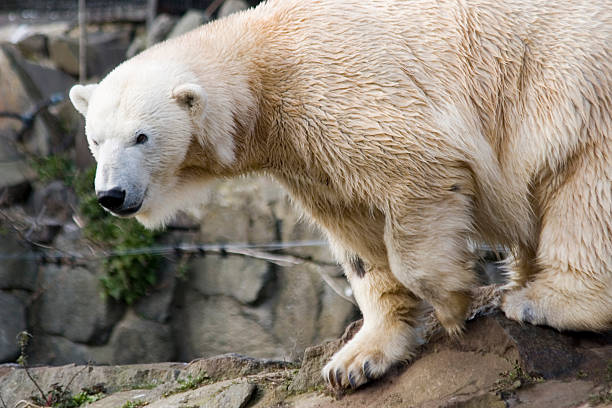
column 200, row 306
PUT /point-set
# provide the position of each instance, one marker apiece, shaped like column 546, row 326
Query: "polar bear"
column 405, row 129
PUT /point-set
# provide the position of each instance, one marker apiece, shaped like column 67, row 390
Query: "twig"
column 22, row 339
column 26, row 404
column 2, row 401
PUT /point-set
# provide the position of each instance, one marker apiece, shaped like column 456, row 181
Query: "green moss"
column 134, row 404
column 190, row 383
column 514, row 379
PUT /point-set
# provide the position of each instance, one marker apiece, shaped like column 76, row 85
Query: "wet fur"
column 405, row 129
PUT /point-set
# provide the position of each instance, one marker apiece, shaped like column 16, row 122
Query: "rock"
column 190, row 21
column 205, row 327
column 33, row 46
column 52, row 206
column 136, row 340
column 74, row 292
column 16, row 273
column 336, row 312
column 64, row 52
column 156, row 305
column 57, row 350
column 15, row 384
column 477, row 370
column 240, row 210
column 231, row 7
column 105, row 50
column 138, row 45
column 558, row 394
column 231, row 365
column 297, row 309
column 540, row 351
column 48, row 81
column 227, row 394
column 309, row 376
column 12, row 322
column 15, row 177
column 20, row 96
column 160, row 28
column 239, row 277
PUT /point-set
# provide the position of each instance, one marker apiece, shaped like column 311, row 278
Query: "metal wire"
column 49, row 256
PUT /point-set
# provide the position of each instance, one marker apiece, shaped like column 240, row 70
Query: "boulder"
column 15, row 181
column 74, row 293
column 157, row 304
column 12, row 322
column 105, row 50
column 17, row 272
column 190, row 21
column 484, row 368
column 231, row 7
column 160, row 28
column 57, row 350
column 205, row 327
column 239, row 277
column 136, row 340
column 33, row 45
column 227, row 394
column 48, row 81
column 20, row 96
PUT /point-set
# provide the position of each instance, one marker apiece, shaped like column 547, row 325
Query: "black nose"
column 111, row 199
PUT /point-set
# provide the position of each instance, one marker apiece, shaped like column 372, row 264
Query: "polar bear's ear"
column 191, row 97
column 79, row 96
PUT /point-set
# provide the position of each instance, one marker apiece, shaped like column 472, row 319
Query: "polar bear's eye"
column 141, row 138
column 95, row 143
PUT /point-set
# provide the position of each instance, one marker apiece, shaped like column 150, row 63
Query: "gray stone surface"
column 57, row 350
column 105, row 50
column 48, row 80
column 70, row 305
column 205, row 327
column 55, row 201
column 33, row 45
column 161, row 27
column 15, row 385
column 231, row 7
column 136, row 340
column 297, row 309
column 12, row 321
column 239, row 277
column 15, row 273
column 19, row 95
column 156, row 306
column 190, row 21
column 226, row 394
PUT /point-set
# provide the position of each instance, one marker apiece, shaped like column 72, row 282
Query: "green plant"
column 190, row 383
column 127, row 277
column 134, row 404
column 58, row 396
column 54, row 167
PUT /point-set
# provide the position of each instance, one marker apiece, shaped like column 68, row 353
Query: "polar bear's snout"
column 114, row 201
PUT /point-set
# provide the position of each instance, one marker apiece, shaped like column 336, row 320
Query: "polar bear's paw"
column 368, row 356
column 518, row 306
column 353, row 367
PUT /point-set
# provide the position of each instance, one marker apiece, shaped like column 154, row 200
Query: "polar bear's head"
column 143, row 122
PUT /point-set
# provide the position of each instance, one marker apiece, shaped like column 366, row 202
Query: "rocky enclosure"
column 198, row 306
column 497, row 363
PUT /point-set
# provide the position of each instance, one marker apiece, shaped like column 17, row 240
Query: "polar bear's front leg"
column 390, row 315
